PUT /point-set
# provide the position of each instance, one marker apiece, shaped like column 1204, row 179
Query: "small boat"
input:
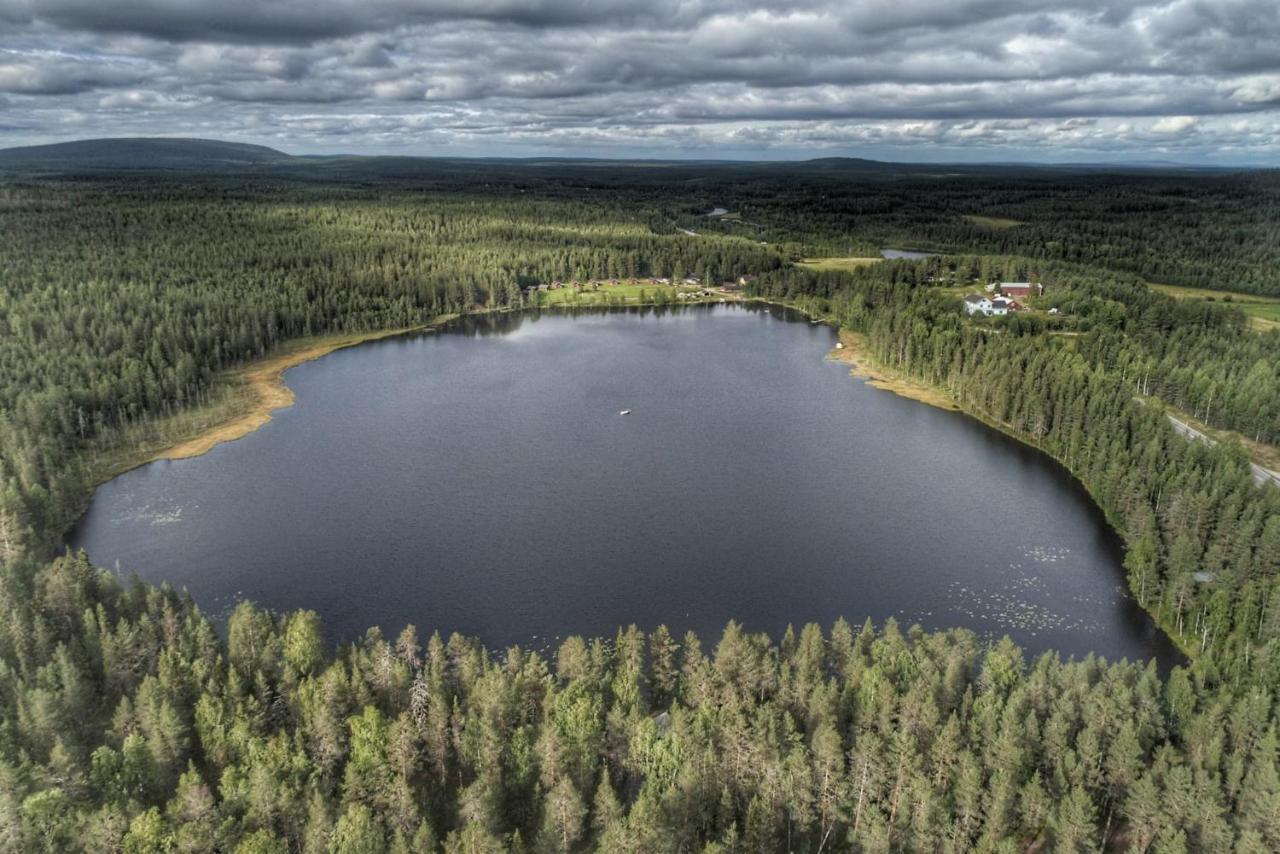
column 625, row 412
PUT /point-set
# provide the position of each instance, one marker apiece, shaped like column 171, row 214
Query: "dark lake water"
column 482, row 480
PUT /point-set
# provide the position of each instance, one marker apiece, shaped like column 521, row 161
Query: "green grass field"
column 1264, row 312
column 993, row 221
column 837, row 263
column 631, row 292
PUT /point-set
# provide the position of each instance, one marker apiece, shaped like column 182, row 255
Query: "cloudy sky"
column 933, row 80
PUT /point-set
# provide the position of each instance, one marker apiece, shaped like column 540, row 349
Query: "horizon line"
column 1131, row 161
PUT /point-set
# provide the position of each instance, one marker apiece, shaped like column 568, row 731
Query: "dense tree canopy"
column 129, row 726
column 128, row 723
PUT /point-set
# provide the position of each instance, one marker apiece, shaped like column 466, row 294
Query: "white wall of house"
column 998, row 307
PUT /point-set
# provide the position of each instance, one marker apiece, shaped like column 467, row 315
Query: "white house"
column 997, row 307
column 1001, row 306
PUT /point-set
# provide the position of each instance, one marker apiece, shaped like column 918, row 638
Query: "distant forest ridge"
column 1199, row 228
column 146, row 154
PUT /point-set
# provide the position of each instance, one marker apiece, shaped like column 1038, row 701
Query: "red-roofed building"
column 1021, row 289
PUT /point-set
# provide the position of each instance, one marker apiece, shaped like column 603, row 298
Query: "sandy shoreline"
column 265, row 381
column 863, row 365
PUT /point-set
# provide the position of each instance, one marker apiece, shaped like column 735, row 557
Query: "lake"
column 909, row 254
column 482, row 480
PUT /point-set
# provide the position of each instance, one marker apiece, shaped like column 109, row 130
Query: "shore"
column 250, row 394
column 247, row 396
column 243, row 399
column 266, row 391
column 857, row 355
column 862, row 364
column 241, row 402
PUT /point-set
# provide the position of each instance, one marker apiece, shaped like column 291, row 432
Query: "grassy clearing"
column 993, row 221
column 845, row 264
column 627, row 293
column 1267, row 313
column 1263, row 311
column 1183, row 292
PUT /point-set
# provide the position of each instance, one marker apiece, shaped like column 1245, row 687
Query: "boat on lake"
column 625, row 412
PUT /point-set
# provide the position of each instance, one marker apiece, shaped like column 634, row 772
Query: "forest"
column 130, row 721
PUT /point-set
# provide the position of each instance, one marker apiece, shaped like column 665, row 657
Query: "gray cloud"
column 302, row 21
column 934, row 78
column 53, row 73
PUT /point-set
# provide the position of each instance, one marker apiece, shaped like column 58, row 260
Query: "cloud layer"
column 914, row 79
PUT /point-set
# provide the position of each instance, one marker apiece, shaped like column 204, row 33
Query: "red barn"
column 1021, row 289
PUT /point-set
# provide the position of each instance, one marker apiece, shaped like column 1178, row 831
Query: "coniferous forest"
column 129, row 721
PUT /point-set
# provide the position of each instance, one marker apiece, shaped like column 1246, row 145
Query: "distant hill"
column 210, row 156
column 142, row 153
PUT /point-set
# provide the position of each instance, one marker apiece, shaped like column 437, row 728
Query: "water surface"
column 482, row 480
column 909, row 254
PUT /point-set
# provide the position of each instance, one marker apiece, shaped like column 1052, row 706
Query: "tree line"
column 129, row 725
